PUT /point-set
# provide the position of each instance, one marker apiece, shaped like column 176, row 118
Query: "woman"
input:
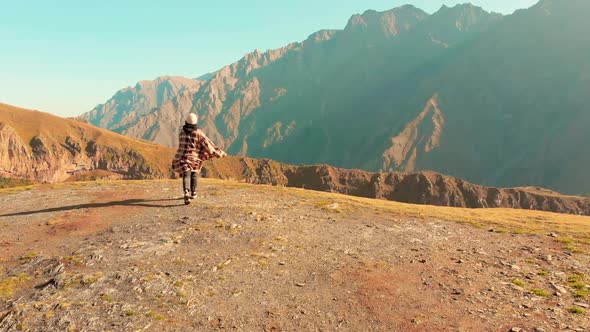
column 193, row 149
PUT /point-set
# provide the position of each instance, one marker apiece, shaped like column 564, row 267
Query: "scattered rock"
column 183, row 282
column 59, row 268
column 334, row 206
column 558, row 288
column 548, row 258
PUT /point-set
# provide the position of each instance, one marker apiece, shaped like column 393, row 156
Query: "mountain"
column 45, row 148
column 133, row 102
column 514, row 103
column 497, row 100
column 40, row 147
column 252, row 104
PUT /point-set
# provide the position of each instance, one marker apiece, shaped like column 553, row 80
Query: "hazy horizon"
column 65, row 59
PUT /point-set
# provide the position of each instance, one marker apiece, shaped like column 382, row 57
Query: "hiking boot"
column 187, row 198
column 193, row 195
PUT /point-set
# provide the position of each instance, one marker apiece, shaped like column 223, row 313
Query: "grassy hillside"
column 29, row 124
column 9, row 183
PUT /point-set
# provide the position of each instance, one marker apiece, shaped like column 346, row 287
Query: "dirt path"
column 127, row 256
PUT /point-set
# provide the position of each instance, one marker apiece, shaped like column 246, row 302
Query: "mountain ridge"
column 425, row 188
column 45, row 148
column 499, row 83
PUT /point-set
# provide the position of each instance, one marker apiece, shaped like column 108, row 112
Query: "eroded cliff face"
column 420, row 136
column 417, row 188
column 14, row 154
column 45, row 159
column 41, row 147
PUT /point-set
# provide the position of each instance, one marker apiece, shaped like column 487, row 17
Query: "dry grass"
column 94, row 175
column 571, row 227
column 9, row 285
column 518, row 282
column 540, row 292
column 578, row 281
column 76, row 185
column 11, row 183
column 545, row 192
column 14, row 190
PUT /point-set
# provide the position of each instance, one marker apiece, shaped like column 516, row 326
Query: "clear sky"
column 65, row 57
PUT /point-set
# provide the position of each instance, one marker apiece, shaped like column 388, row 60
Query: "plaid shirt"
column 193, row 149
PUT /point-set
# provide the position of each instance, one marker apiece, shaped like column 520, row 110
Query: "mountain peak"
column 463, row 17
column 320, row 36
column 462, row 8
column 388, row 23
column 548, row 7
column 166, row 78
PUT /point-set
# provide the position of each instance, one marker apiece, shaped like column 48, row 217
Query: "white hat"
column 191, row 119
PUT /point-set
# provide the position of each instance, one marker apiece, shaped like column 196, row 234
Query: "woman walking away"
column 193, row 149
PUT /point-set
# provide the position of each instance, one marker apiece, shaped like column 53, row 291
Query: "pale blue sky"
column 65, row 57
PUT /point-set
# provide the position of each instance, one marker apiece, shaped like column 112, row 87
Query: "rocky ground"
column 128, row 256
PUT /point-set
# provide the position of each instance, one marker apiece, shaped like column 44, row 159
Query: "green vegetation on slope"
column 10, row 183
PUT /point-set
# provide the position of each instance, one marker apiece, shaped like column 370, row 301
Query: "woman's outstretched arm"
column 209, row 149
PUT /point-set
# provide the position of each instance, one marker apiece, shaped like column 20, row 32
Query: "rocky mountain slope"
column 128, row 256
column 41, row 147
column 495, row 100
column 131, row 103
column 44, row 148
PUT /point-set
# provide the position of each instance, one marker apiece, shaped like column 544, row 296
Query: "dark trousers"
column 189, row 180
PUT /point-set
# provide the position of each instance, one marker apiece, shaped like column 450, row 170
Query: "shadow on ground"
column 127, row 202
